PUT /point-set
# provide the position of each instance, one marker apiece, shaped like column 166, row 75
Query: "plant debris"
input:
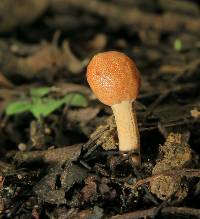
column 59, row 144
column 176, row 155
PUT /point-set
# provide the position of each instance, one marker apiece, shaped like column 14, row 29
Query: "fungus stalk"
column 127, row 128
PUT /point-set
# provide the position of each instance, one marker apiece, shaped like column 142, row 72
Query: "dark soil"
column 66, row 164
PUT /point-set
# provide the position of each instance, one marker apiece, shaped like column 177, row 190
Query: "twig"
column 165, row 93
column 176, row 88
column 57, row 155
column 184, row 172
column 164, row 211
column 88, row 145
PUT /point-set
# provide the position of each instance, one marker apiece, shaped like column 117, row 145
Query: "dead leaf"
column 48, row 58
column 46, row 188
column 72, row 174
column 195, row 113
column 74, row 65
column 54, row 186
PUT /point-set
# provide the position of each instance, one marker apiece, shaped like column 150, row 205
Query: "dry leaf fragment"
column 195, row 113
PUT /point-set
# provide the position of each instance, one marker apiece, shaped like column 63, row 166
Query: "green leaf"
column 40, row 92
column 44, row 107
column 18, row 107
column 75, row 99
column 41, row 106
column 178, row 45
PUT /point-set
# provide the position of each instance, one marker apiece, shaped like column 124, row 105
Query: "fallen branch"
column 57, row 155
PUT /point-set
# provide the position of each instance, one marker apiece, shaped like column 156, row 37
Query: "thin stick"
column 174, row 173
column 164, row 211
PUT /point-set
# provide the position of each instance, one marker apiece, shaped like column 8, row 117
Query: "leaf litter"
column 59, row 144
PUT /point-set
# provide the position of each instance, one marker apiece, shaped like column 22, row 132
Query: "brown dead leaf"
column 46, row 187
column 48, row 58
column 72, row 174
column 74, row 65
column 54, row 186
column 195, row 113
column 59, row 179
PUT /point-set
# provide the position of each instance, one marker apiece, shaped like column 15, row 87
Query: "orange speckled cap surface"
column 113, row 77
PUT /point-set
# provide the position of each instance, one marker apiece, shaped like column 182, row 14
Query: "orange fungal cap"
column 113, row 77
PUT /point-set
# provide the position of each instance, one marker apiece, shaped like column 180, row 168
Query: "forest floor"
column 58, row 143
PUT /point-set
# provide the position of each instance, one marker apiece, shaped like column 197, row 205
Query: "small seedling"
column 40, row 104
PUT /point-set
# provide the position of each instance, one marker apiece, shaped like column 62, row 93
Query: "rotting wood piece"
column 58, row 155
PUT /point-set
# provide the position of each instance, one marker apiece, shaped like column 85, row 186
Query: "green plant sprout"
column 178, row 45
column 41, row 105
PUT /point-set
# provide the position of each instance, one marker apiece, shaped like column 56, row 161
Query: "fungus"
column 115, row 80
